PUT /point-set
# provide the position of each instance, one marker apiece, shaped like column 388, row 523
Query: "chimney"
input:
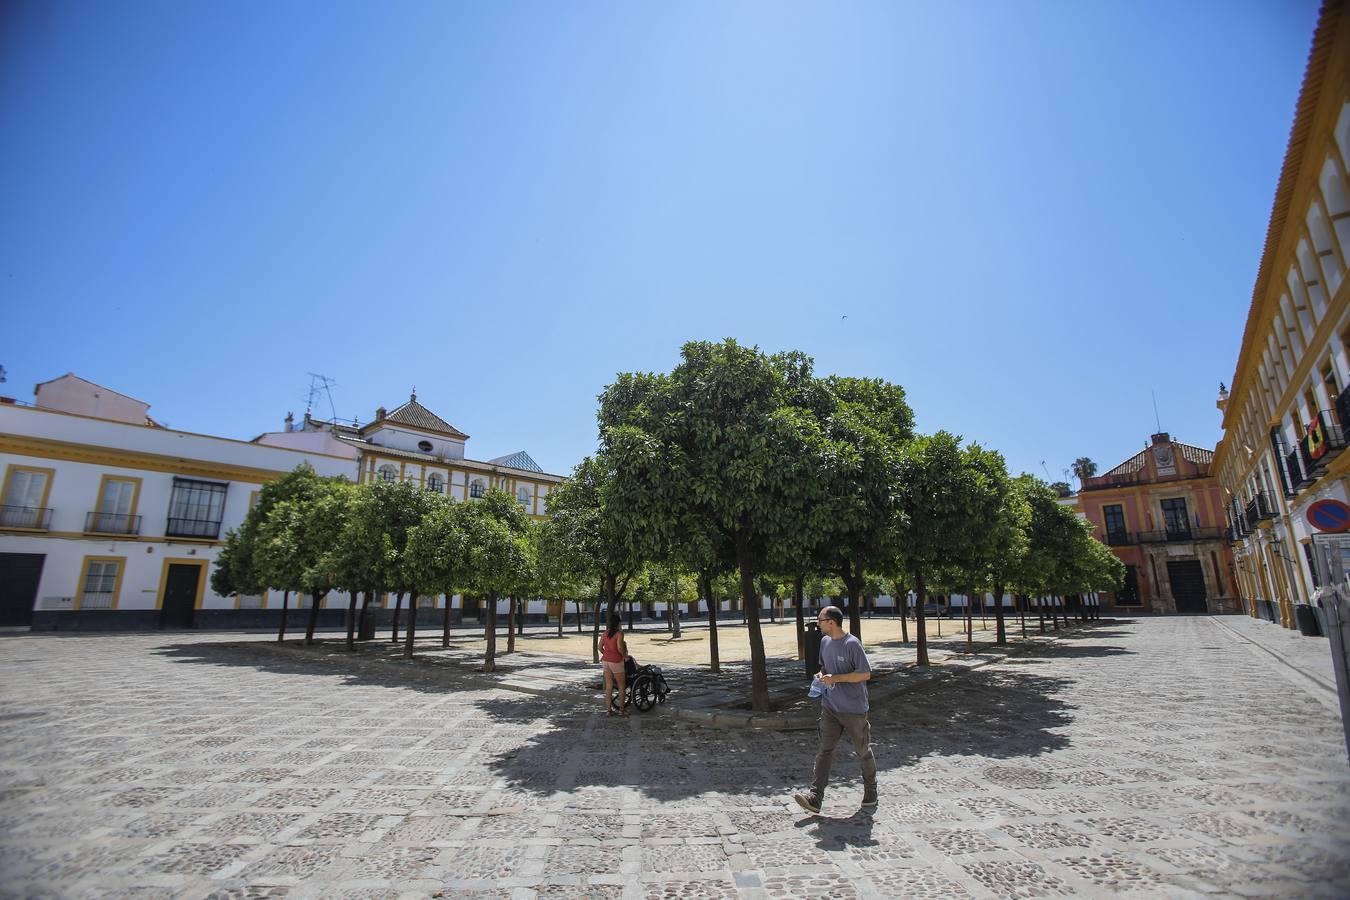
column 290, row 421
column 379, row 414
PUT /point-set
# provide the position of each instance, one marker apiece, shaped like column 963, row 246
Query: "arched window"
column 477, row 488
column 388, row 473
column 434, row 482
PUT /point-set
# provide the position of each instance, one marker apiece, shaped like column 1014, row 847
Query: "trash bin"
column 365, row 626
column 812, row 654
column 1307, row 620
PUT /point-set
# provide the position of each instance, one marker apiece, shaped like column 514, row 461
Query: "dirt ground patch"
column 651, row 643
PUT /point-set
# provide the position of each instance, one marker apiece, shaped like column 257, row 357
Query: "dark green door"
column 180, row 597
column 19, row 577
column 1188, row 585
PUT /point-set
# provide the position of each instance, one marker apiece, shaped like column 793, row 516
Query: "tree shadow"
column 998, row 715
column 570, row 744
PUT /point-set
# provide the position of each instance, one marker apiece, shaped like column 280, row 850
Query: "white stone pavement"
column 1158, row 757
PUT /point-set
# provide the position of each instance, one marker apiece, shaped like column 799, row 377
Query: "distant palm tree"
column 1084, row 469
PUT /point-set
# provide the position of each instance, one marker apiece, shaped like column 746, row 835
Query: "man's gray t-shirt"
column 840, row 657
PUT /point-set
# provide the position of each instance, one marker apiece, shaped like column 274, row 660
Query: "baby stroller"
column 646, row 686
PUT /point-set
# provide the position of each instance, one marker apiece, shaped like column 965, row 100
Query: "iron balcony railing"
column 1119, row 538
column 111, row 523
column 1259, row 507
column 1177, row 535
column 193, row 528
column 1298, row 476
column 36, row 518
column 1323, row 442
column 1342, row 405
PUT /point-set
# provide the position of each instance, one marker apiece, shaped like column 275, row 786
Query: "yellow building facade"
column 1287, row 413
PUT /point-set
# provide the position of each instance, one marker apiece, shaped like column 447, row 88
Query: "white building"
column 109, row 520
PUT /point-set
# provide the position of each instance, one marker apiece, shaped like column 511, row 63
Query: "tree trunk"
column 445, row 622
column 1000, row 629
column 630, row 616
column 970, row 621
column 1040, row 608
column 853, row 582
column 490, row 634
column 920, row 633
column 351, row 621
column 313, row 617
column 798, row 588
column 398, row 609
column 365, row 611
column 285, row 608
column 902, row 606
column 673, row 617
column 578, row 603
column 412, row 626
column 1021, row 601
column 713, row 661
column 562, row 614
column 510, row 624
column 759, row 678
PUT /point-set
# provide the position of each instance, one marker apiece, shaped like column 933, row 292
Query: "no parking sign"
column 1329, row 515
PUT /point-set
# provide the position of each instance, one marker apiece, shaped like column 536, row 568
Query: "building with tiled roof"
column 1163, row 515
column 412, row 443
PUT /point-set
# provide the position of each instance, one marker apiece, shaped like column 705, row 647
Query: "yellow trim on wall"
column 42, row 448
column 117, row 583
column 16, row 467
column 135, row 493
column 203, row 564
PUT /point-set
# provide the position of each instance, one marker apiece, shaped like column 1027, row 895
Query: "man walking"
column 844, row 673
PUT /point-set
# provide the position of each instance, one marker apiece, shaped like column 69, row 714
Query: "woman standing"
column 613, row 651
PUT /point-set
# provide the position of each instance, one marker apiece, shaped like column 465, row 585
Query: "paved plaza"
column 1155, row 757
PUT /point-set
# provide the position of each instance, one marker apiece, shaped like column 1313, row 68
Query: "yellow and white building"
column 110, row 520
column 1287, row 413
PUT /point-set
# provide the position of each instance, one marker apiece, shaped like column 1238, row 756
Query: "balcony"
column 1342, row 404
column 205, row 529
column 1119, row 538
column 1323, row 442
column 1258, row 508
column 32, row 518
column 1298, row 476
column 1176, row 536
column 111, row 523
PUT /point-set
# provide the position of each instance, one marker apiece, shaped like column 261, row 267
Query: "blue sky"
column 1032, row 214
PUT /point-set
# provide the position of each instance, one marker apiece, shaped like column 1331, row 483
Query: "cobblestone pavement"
column 1157, row 757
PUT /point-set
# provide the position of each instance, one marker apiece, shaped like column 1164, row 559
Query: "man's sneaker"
column 869, row 804
column 808, row 800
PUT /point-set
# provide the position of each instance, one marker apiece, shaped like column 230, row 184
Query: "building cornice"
column 93, row 454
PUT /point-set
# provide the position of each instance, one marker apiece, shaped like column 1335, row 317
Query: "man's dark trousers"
column 832, row 726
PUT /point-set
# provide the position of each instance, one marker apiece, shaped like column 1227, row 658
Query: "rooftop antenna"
column 320, row 384
column 1156, row 421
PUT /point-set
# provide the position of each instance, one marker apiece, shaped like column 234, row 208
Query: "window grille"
column 196, row 508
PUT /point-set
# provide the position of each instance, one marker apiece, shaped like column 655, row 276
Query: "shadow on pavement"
column 990, row 712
